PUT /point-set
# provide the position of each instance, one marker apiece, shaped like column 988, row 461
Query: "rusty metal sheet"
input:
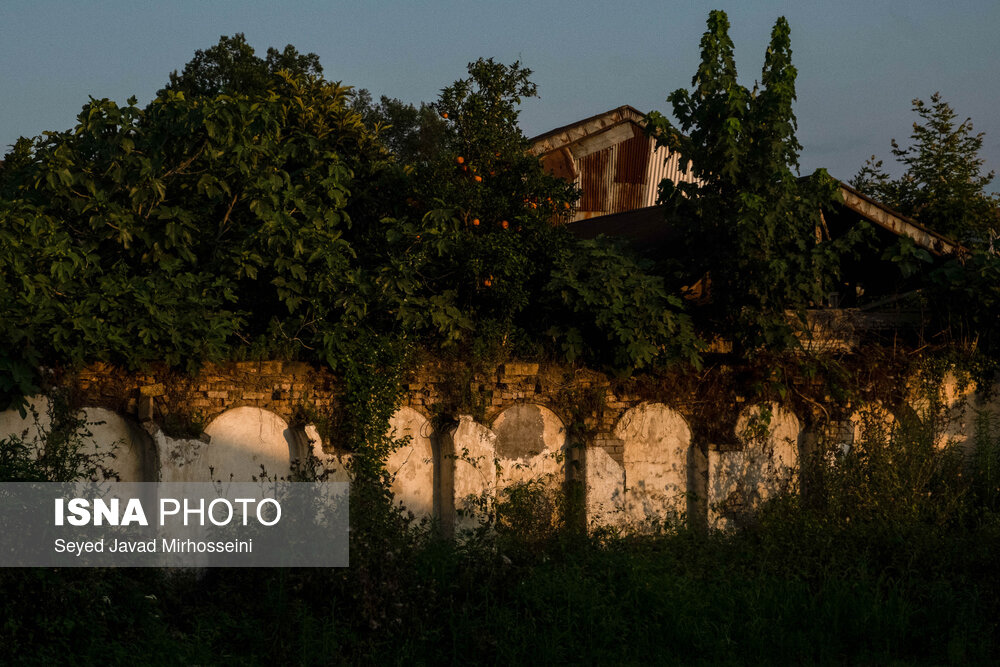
column 610, row 158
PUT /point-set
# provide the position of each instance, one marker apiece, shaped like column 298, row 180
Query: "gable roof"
column 609, row 157
column 581, row 134
column 879, row 214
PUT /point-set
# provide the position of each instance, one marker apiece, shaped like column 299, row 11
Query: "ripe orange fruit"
column 444, row 114
column 460, row 159
column 505, row 224
column 479, row 179
column 488, row 282
column 475, row 222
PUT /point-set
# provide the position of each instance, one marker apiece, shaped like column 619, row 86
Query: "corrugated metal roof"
column 610, row 158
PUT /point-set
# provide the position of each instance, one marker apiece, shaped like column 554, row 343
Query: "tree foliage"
column 276, row 223
column 233, row 67
column 944, row 185
column 751, row 228
column 189, row 230
column 497, row 264
column 413, row 134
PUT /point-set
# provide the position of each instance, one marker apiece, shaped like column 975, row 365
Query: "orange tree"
column 498, row 270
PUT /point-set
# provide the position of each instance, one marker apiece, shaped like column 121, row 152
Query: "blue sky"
column 860, row 63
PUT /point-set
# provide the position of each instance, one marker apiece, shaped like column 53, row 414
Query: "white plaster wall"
column 474, row 475
column 412, row 465
column 124, row 449
column 738, row 481
column 243, row 440
column 326, row 467
column 27, row 427
column 970, row 414
column 965, row 412
column 181, row 459
column 132, row 458
column 656, row 443
column 605, row 490
column 530, row 445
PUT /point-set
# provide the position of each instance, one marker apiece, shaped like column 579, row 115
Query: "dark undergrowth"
column 789, row 592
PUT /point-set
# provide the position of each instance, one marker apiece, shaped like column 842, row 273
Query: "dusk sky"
column 860, row 63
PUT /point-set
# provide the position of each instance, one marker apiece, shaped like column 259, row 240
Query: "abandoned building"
column 618, row 169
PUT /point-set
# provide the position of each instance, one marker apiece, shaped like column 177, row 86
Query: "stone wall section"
column 653, row 451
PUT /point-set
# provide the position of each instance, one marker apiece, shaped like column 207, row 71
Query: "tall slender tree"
column 752, row 228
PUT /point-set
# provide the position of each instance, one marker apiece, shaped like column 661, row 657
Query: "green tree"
column 19, row 156
column 278, row 225
column 413, row 134
column 944, row 185
column 494, row 267
column 192, row 230
column 233, row 67
column 751, row 228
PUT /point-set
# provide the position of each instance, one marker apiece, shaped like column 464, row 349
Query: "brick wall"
column 578, row 396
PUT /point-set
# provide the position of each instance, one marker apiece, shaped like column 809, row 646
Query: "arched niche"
column 245, row 444
column 27, row 428
column 469, row 473
column 656, row 443
column 121, row 446
column 871, row 421
column 113, row 444
column 530, row 445
column 948, row 403
column 412, row 465
column 764, row 463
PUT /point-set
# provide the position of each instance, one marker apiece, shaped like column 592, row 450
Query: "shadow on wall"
column 765, row 465
column 124, row 449
column 641, row 476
